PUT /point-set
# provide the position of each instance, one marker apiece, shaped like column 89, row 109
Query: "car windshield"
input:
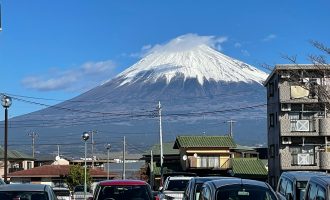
column 177, row 185
column 136, row 192
column 300, row 190
column 244, row 192
column 23, row 195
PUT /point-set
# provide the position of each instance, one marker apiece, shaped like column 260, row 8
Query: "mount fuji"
column 198, row 87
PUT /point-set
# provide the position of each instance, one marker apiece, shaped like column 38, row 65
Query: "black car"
column 194, row 186
column 237, row 189
column 292, row 185
column 318, row 188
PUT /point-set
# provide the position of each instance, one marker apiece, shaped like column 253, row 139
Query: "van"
column 292, row 185
column 318, row 188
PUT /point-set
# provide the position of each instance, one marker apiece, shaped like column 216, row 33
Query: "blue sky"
column 58, row 49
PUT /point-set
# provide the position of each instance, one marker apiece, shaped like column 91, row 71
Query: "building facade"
column 205, row 154
column 297, row 120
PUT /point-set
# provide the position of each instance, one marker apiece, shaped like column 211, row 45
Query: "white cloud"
column 269, row 38
column 187, row 42
column 245, row 52
column 182, row 43
column 238, row 45
column 83, row 77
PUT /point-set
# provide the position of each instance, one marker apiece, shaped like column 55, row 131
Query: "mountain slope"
column 199, row 88
column 201, row 62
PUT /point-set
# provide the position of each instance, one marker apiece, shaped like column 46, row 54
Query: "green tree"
column 76, row 176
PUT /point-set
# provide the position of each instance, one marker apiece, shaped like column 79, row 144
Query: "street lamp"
column 108, row 149
column 85, row 137
column 6, row 103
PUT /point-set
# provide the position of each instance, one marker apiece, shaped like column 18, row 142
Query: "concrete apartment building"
column 297, row 119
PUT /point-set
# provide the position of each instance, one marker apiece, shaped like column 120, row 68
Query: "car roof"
column 302, row 175
column 234, row 181
column 23, row 187
column 323, row 179
column 209, row 178
column 179, row 177
column 122, row 182
column 60, row 188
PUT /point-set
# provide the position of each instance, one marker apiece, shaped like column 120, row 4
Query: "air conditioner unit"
column 304, row 159
column 286, row 107
column 286, row 140
column 302, row 125
column 321, row 113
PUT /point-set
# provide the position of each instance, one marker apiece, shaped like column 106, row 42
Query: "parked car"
column 318, row 188
column 78, row 193
column 194, row 186
column 237, row 189
column 292, row 185
column 123, row 189
column 27, row 191
column 174, row 187
column 62, row 193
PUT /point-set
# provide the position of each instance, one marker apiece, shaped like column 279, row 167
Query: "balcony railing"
column 305, row 125
column 303, row 159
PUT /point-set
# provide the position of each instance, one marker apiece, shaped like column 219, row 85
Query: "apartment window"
column 271, row 151
column 276, row 118
column 271, row 120
column 303, row 155
column 271, row 89
column 29, row 165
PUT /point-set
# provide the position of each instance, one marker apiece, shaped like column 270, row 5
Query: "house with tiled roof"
column 53, row 175
column 16, row 161
column 205, row 154
column 251, row 168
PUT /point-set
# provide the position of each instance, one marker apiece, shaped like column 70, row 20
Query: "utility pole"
column 151, row 170
column 124, row 159
column 58, row 150
column 231, row 127
column 159, row 108
column 0, row 19
column 92, row 132
column 108, row 149
column 33, row 135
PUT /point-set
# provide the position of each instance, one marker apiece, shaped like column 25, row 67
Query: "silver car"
column 27, row 192
column 62, row 193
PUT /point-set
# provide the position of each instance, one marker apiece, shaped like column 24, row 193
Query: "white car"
column 174, row 187
column 62, row 193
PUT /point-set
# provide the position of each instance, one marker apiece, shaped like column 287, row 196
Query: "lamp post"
column 85, row 137
column 108, row 149
column 6, row 103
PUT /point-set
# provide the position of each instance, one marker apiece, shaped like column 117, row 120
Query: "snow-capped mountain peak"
column 200, row 61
